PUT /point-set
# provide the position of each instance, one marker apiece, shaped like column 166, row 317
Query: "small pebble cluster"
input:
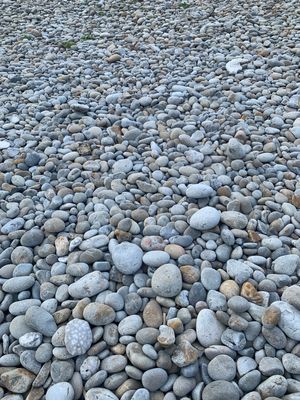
column 149, row 200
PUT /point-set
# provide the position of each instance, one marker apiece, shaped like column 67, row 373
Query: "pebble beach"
column 150, row 200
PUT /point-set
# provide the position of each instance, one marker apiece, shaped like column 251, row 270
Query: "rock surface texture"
column 149, row 200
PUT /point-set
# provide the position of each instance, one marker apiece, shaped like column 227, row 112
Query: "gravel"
column 150, row 196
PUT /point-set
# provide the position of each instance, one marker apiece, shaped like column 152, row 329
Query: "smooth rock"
column 167, row 281
column 205, row 219
column 127, row 257
column 209, row 329
column 40, row 320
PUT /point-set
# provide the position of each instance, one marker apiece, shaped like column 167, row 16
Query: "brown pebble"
column 254, row 236
column 174, row 250
column 190, row 274
column 123, row 236
column 152, row 314
column 185, row 354
column 176, row 324
column 113, row 58
column 250, row 293
column 229, row 288
column 119, row 349
column 296, row 200
column 129, row 384
column 271, row 317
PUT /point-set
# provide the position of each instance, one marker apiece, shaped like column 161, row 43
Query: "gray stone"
column 235, row 150
column 220, row 390
column 54, row 225
column 18, row 327
column 21, row 255
column 78, row 337
column 100, row 394
column 88, row 286
column 13, row 225
column 238, row 304
column 222, row 367
column 167, row 281
column 31, row 340
column 113, row 364
column 275, row 386
column 156, row 258
column 286, row 264
column 245, row 364
column 89, row 367
column 290, row 319
column 292, row 296
column 32, row 238
column 234, row 219
column 130, row 325
column 99, row 314
column 275, row 337
column 250, row 381
column 154, row 379
column 28, row 361
column 216, row 301
column 183, row 385
column 233, row 339
column 209, row 329
column 127, row 257
column 199, row 191
column 141, row 394
column 238, row 270
column 291, row 363
column 40, row 320
column 18, row 284
column 61, row 390
column 205, row 219
column 210, row 279
column 61, row 371
column 270, row 366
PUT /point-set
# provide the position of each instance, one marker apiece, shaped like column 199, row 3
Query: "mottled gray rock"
column 61, row 390
column 100, row 394
column 156, row 258
column 130, row 325
column 167, row 281
column 18, row 284
column 209, row 329
column 88, row 286
column 78, row 337
column 154, row 379
column 210, row 279
column 220, row 390
column 127, row 257
column 31, row 340
column 199, row 191
column 13, row 225
column 275, row 386
column 250, row 381
column 234, row 219
column 205, row 219
column 290, row 319
column 238, row 270
column 286, row 264
column 233, row 339
column 99, row 314
column 291, row 363
column 292, row 296
column 245, row 364
column 222, row 367
column 270, row 366
column 40, row 320
column 32, row 238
